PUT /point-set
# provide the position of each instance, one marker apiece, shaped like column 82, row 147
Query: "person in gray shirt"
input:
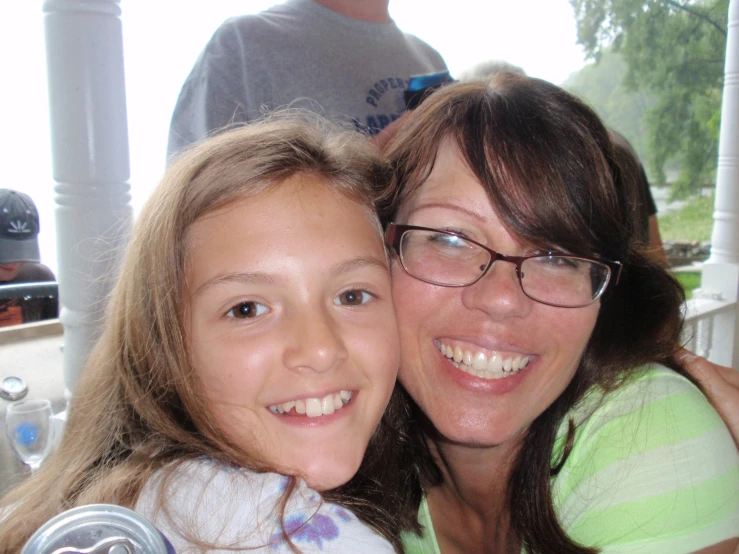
column 345, row 59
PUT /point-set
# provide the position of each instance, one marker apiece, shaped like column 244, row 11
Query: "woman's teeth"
column 314, row 407
column 480, row 365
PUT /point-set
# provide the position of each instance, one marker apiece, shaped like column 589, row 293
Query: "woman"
column 532, row 326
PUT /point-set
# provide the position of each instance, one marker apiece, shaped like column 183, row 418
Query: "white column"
column 90, row 165
column 721, row 271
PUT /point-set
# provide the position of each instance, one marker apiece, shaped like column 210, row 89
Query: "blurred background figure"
column 344, row 59
column 20, row 261
column 646, row 210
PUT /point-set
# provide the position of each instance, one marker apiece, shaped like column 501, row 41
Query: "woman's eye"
column 449, row 241
column 246, row 310
column 353, row 298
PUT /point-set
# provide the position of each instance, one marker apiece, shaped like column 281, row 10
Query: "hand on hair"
column 720, row 383
column 383, row 137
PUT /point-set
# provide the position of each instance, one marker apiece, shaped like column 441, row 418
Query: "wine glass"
column 29, row 428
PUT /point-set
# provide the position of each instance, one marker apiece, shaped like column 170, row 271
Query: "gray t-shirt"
column 299, row 54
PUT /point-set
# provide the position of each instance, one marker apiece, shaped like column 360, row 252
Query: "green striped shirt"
column 653, row 470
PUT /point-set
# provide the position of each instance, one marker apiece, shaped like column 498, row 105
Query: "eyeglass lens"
column 451, row 260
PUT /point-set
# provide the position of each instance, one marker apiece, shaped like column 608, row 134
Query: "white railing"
column 713, row 314
column 704, row 331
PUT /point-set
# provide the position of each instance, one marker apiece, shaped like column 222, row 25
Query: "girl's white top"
column 234, row 510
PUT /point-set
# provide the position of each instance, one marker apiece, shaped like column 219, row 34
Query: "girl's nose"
column 314, row 342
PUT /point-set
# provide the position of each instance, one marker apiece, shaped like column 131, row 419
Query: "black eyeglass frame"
column 394, row 234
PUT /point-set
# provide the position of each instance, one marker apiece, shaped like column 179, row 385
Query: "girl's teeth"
column 327, row 405
column 314, row 407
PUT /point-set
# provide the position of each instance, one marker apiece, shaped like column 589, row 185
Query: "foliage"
column 601, row 85
column 693, row 222
column 674, row 51
column 689, row 281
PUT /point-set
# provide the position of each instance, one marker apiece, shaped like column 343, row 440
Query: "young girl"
column 249, row 353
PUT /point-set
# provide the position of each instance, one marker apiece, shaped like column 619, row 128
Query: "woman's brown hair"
column 138, row 407
column 547, row 165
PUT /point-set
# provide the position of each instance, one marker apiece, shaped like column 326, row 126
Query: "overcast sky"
column 162, row 38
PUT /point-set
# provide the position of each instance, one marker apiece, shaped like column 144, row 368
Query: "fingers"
column 720, row 383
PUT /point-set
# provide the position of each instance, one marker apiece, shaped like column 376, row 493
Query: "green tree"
column 602, row 86
column 674, row 51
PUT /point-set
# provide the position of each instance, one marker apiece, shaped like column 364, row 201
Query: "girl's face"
column 489, row 322
column 291, row 327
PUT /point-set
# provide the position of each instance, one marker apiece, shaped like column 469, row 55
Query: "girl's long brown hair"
column 137, row 407
column 547, row 165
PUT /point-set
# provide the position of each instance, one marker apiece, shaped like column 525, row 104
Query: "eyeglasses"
column 451, row 260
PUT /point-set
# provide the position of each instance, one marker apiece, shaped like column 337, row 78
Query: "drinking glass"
column 29, row 428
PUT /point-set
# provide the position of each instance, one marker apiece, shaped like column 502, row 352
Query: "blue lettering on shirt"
column 379, row 88
column 375, row 123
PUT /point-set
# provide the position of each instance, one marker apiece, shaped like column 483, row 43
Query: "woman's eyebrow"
column 238, row 277
column 447, row 205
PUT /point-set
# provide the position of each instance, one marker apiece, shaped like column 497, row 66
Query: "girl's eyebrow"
column 260, row 278
column 358, row 263
column 239, row 277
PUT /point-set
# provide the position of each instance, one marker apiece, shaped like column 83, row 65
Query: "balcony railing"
column 702, row 324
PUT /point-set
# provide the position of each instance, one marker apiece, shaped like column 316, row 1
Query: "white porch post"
column 90, row 165
column 721, row 271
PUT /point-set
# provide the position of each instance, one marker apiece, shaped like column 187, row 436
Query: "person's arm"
column 721, row 385
column 382, row 138
column 726, row 547
column 656, row 248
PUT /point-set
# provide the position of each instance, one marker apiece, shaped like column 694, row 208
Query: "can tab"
column 111, row 545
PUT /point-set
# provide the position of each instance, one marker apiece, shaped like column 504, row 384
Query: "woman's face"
column 291, row 327
column 489, row 322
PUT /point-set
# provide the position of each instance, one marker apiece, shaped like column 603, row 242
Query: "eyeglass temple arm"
column 616, row 268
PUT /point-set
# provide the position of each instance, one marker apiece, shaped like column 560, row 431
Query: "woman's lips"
column 480, row 363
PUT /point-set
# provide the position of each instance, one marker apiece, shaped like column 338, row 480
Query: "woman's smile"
column 481, row 363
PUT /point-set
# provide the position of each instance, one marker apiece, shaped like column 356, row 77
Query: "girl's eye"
column 353, row 298
column 246, row 310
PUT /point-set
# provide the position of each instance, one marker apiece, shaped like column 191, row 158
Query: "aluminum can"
column 98, row 529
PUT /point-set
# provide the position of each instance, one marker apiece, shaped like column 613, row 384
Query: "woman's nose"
column 498, row 293
column 314, row 341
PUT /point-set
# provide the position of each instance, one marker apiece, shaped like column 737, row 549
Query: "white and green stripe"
column 653, row 470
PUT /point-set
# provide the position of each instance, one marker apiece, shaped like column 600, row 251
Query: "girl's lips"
column 294, row 419
column 313, row 406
